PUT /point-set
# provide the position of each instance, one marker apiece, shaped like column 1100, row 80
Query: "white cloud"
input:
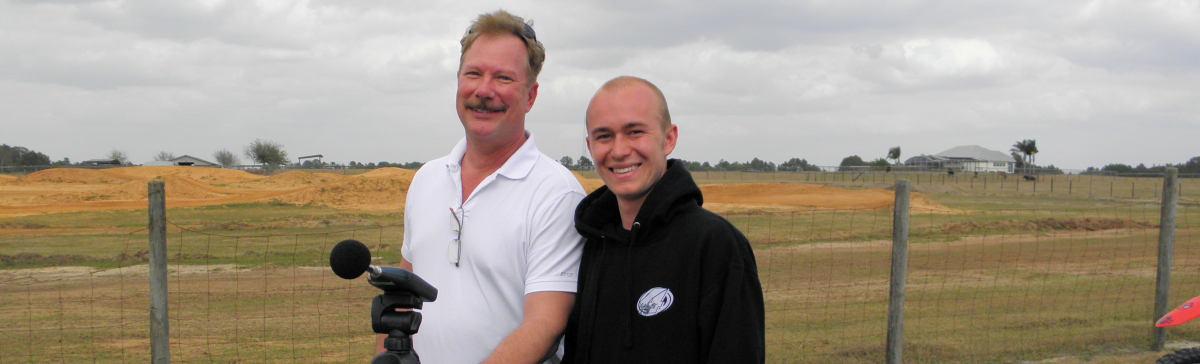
column 821, row 80
column 952, row 57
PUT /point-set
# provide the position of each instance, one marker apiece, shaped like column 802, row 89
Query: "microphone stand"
column 399, row 326
column 407, row 292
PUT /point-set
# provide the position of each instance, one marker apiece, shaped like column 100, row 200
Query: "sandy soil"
column 74, row 190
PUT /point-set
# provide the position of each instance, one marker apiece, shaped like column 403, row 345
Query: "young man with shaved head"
column 489, row 225
column 662, row 279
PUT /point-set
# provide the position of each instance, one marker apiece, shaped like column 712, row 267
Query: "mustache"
column 484, row 105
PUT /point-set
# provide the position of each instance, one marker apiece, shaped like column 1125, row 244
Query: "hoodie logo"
column 655, row 301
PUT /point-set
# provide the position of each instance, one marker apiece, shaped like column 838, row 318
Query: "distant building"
column 967, row 158
column 98, row 162
column 925, row 163
column 184, row 160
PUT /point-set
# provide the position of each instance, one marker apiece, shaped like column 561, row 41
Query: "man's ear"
column 671, row 137
column 532, row 96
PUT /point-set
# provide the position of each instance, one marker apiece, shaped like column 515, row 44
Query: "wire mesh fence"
column 998, row 284
column 74, row 314
column 264, row 298
column 1098, row 186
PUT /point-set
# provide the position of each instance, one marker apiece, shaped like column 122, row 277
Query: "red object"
column 1186, row 312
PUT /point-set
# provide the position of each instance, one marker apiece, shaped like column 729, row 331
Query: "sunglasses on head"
column 527, row 33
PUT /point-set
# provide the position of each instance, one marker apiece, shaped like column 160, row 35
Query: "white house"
column 184, row 160
column 974, row 158
column 967, row 158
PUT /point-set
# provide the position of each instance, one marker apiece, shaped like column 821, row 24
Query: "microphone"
column 351, row 258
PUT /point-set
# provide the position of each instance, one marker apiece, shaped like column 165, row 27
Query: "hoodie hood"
column 598, row 217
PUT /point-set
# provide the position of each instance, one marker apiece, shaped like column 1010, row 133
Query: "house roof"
column 925, row 159
column 975, row 152
column 188, row 158
column 181, row 159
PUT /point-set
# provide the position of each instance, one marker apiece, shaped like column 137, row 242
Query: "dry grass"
column 1017, row 277
column 218, row 314
column 1000, row 298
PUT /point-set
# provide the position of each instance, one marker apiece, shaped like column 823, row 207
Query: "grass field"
column 1016, row 276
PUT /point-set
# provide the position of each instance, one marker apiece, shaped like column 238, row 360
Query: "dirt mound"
column 7, row 178
column 589, row 184
column 215, row 176
column 384, row 189
column 289, row 180
column 379, row 192
column 391, row 172
column 1048, row 224
column 297, row 177
column 74, row 175
column 193, row 187
column 176, row 187
column 790, row 196
column 381, row 189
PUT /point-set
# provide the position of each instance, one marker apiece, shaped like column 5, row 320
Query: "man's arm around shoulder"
column 544, row 320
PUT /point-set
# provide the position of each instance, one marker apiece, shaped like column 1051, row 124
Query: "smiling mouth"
column 482, row 106
column 626, row 169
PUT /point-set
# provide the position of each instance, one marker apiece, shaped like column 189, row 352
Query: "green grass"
column 270, row 233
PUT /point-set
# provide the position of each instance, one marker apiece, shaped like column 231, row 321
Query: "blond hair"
column 502, row 22
column 664, row 115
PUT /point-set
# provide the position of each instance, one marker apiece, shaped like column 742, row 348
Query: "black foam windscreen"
column 349, row 259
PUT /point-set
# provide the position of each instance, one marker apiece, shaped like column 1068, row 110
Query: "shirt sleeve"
column 736, row 334
column 405, row 249
column 554, row 246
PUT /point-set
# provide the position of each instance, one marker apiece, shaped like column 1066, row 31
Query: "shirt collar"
column 517, row 166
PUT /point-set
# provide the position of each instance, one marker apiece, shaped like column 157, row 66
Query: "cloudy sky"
column 1094, row 82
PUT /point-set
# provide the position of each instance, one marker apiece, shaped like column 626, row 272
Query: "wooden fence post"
column 895, row 329
column 160, row 352
column 1166, row 246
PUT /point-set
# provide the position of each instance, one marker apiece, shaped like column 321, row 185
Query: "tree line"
column 1192, row 166
column 21, row 156
column 754, row 165
column 272, row 154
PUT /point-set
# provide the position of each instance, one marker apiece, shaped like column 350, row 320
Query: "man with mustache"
column 662, row 279
column 490, row 224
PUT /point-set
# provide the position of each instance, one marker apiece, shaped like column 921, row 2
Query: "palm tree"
column 894, row 154
column 1028, row 149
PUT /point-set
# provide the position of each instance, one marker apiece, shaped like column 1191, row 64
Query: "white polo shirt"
column 518, row 237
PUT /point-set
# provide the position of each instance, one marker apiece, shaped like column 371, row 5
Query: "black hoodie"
column 680, row 287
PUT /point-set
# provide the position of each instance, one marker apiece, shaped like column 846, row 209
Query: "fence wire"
column 997, row 285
